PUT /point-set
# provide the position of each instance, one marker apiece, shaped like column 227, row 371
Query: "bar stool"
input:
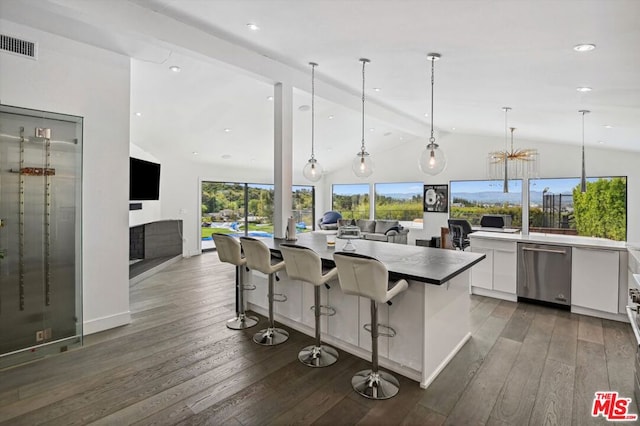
column 230, row 251
column 259, row 258
column 304, row 264
column 368, row 277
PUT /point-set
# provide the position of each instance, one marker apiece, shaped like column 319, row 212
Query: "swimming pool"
column 251, row 234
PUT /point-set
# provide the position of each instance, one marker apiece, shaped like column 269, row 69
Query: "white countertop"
column 567, row 240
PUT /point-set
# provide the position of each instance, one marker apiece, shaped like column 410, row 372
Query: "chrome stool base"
column 241, row 322
column 318, row 356
column 271, row 336
column 380, row 385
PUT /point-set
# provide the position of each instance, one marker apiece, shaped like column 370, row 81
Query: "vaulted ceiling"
column 495, row 53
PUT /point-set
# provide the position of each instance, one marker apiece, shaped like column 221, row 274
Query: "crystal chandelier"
column 432, row 160
column 312, row 170
column 363, row 164
column 512, row 163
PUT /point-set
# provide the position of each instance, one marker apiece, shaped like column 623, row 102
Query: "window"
column 302, row 209
column 399, row 201
column 556, row 205
column 352, row 201
column 470, row 199
column 223, row 209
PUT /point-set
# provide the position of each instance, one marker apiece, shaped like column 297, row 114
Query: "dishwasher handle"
column 544, row 250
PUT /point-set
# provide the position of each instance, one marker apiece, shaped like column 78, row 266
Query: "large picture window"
column 351, row 201
column 223, row 209
column 556, row 205
column 470, row 199
column 399, row 201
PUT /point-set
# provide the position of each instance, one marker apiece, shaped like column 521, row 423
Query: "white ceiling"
column 495, row 53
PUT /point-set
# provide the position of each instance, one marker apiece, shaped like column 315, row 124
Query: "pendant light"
column 583, row 176
column 432, row 159
column 312, row 170
column 363, row 164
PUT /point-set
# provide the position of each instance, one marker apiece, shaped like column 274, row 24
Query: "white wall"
column 74, row 78
column 466, row 159
column 151, row 210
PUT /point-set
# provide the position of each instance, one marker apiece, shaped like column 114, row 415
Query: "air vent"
column 17, row 46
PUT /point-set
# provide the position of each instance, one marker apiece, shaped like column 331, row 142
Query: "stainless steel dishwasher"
column 544, row 273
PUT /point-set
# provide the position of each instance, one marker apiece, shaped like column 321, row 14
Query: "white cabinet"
column 594, row 279
column 497, row 272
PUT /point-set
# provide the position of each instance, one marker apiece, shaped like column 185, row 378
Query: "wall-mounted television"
column 144, row 180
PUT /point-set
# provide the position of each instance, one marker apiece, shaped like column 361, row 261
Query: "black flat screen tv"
column 144, row 180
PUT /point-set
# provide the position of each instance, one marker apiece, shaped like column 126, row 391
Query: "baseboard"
column 105, row 323
column 599, row 314
column 494, row 293
column 426, row 382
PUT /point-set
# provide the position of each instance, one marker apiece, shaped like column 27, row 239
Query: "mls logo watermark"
column 612, row 407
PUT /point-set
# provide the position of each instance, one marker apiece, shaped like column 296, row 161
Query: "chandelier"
column 512, row 163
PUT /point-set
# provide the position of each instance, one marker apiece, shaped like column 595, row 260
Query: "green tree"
column 601, row 211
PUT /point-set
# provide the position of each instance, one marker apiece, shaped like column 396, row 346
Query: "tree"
column 601, row 211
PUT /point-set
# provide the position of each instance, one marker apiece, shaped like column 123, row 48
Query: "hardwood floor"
column 177, row 363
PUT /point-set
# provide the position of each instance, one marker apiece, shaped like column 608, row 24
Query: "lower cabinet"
column 498, row 270
column 595, row 278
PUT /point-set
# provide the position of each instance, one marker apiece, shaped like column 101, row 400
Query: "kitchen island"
column 431, row 317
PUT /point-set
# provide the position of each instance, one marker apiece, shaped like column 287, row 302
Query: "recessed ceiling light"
column 195, row 153
column 607, row 126
column 453, row 128
column 584, row 89
column 426, row 114
column 138, row 114
column 371, row 129
column 584, row 47
column 269, row 98
column 331, row 117
column 227, row 130
column 253, row 27
column 175, row 68
column 304, row 108
column 377, row 89
column 226, row 156
column 600, row 142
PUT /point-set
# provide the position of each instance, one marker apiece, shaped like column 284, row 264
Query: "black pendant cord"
column 433, row 60
column 362, row 148
column 313, row 107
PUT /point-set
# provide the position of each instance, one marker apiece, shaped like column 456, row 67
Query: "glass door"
column 40, row 233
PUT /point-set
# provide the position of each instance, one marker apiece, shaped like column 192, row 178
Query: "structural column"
column 283, row 157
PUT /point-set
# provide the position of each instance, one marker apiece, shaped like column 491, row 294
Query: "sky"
column 381, row 188
column 555, row 186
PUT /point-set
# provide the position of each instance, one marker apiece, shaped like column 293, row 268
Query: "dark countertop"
column 424, row 264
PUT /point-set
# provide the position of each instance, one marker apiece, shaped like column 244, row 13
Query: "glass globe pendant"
column 432, row 159
column 362, row 165
column 312, row 170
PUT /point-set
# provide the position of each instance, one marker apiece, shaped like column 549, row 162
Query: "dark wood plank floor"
column 177, row 363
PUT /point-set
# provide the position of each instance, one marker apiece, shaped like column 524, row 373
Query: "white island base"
column 431, row 321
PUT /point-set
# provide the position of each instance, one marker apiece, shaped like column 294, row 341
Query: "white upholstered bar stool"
column 259, row 258
column 230, row 251
column 368, row 277
column 304, row 264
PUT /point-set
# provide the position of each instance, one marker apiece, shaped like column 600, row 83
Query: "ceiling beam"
column 110, row 24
